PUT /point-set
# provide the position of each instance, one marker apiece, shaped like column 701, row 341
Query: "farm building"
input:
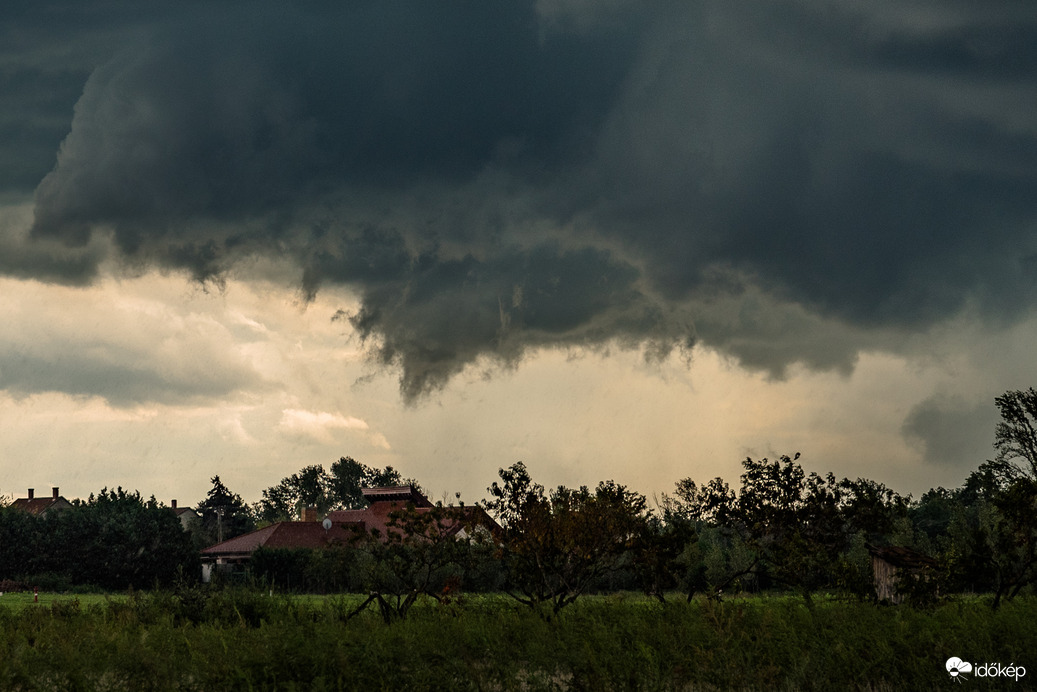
column 890, row 565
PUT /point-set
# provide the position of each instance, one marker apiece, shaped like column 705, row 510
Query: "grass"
column 19, row 600
column 249, row 641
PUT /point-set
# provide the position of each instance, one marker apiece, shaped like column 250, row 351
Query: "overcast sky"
column 612, row 239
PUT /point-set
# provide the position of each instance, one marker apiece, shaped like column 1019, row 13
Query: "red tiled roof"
column 347, row 525
column 37, row 505
column 376, row 517
column 287, row 534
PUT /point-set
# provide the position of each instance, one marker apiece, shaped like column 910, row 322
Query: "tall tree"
column 310, row 487
column 420, row 554
column 1015, row 437
column 348, row 476
column 783, row 524
column 313, row 486
column 224, row 514
column 1010, row 483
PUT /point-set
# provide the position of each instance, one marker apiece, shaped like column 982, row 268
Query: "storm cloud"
column 787, row 182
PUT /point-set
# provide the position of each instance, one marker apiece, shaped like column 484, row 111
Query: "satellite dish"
column 326, row 523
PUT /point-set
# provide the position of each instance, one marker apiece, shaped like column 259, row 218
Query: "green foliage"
column 420, row 555
column 870, row 508
column 348, row 476
column 658, row 556
column 22, row 548
column 240, row 640
column 1015, row 437
column 556, row 546
column 313, row 486
column 224, row 514
column 330, row 570
column 782, row 525
column 114, row 540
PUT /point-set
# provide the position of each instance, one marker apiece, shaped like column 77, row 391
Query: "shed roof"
column 902, row 557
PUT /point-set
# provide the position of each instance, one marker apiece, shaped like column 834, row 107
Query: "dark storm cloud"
column 444, row 314
column 875, row 187
column 121, row 384
column 222, row 120
column 493, row 180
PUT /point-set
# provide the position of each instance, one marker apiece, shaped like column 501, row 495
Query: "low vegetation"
column 245, row 639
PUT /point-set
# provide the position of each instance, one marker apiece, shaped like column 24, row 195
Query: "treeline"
column 780, row 528
column 114, row 540
column 224, row 514
column 806, row 532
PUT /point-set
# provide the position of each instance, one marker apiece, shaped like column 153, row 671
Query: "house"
column 890, row 565
column 237, row 551
column 41, row 506
column 340, row 528
column 186, row 515
column 383, row 502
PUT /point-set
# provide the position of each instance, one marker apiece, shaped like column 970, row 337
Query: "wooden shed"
column 891, row 564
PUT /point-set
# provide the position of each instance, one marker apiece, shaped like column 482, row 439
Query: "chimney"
column 55, row 493
column 174, row 504
column 309, row 514
column 30, row 493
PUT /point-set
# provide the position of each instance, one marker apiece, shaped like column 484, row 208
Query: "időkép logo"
column 960, row 670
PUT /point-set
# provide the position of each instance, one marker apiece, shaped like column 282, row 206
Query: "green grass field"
column 240, row 640
column 17, row 600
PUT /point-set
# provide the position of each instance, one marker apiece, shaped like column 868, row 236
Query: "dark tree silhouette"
column 224, row 514
column 555, row 546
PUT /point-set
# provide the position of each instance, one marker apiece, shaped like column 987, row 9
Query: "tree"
column 348, row 476
column 793, row 520
column 1015, row 437
column 421, row 554
column 313, row 486
column 931, row 516
column 22, row 543
column 310, row 487
column 555, row 546
column 782, row 525
column 665, row 556
column 224, row 514
column 1010, row 484
column 116, row 540
column 719, row 555
column 871, row 508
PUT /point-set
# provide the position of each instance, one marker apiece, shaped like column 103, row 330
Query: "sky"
column 608, row 238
